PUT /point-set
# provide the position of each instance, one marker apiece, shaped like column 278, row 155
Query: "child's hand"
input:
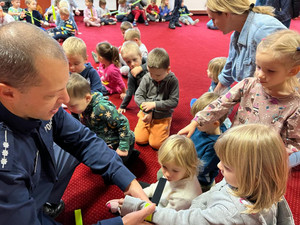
column 147, row 118
column 190, row 14
column 121, row 110
column 165, row 14
column 77, row 12
column 136, row 70
column 122, row 95
column 189, row 129
column 121, row 153
column 147, row 106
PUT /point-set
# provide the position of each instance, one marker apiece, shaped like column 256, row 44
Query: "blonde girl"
column 270, row 97
column 108, row 57
column 250, row 25
column 164, row 11
column 179, row 164
column 254, row 164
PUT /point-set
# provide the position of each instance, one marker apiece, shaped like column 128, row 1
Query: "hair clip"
column 251, row 6
column 298, row 49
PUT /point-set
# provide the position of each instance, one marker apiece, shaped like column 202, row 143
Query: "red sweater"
column 152, row 8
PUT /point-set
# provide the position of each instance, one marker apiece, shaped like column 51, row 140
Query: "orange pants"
column 154, row 132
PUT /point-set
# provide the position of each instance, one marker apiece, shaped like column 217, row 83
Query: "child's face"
column 76, row 63
column 182, row 3
column 32, row 5
column 123, row 32
column 16, row 3
column 167, row 2
column 64, row 16
column 173, row 172
column 228, row 173
column 123, row 4
column 210, row 76
column 152, row 3
column 132, row 59
column 102, row 6
column 88, row 4
column 158, row 74
column 78, row 105
column 272, row 74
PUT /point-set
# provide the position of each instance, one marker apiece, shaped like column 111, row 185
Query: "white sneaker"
column 196, row 21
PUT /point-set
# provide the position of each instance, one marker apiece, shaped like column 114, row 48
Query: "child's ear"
column 217, row 123
column 294, row 71
column 169, row 69
column 88, row 97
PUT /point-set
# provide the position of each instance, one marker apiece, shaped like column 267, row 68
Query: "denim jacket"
column 242, row 50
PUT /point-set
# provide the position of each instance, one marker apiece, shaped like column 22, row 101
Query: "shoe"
column 163, row 20
column 172, row 26
column 195, row 22
column 157, row 20
column 146, row 23
column 54, row 210
column 177, row 24
column 134, row 23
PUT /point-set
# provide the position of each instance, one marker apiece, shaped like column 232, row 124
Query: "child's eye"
column 258, row 67
column 271, row 71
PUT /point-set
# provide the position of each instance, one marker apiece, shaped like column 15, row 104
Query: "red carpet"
column 190, row 49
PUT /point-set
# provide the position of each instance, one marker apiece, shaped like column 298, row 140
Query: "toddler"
column 157, row 97
column 66, row 28
column 94, row 110
column 215, row 66
column 132, row 55
column 108, row 56
column 5, row 18
column 254, row 164
column 75, row 50
column 204, row 139
column 138, row 11
column 52, row 12
column 185, row 15
column 268, row 98
column 134, row 34
column 15, row 10
column 104, row 14
column 123, row 11
column 31, row 15
column 153, row 11
column 66, row 4
column 90, row 17
column 165, row 11
column 125, row 25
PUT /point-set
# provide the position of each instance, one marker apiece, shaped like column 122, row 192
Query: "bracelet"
column 149, row 217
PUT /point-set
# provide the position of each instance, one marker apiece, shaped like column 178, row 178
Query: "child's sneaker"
column 163, row 20
column 195, row 22
column 134, row 23
column 157, row 20
column 146, row 23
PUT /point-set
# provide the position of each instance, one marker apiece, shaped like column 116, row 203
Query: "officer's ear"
column 7, row 92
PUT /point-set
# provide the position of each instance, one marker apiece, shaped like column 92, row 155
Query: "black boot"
column 172, row 25
column 177, row 24
column 53, row 210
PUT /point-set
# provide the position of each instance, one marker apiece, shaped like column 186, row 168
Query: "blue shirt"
column 28, row 163
column 242, row 50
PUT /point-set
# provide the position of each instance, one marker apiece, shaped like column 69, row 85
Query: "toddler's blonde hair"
column 75, row 46
column 158, row 58
column 130, row 46
column 259, row 159
column 215, row 67
column 131, row 34
column 125, row 25
column 64, row 11
column 180, row 150
column 237, row 7
column 283, row 46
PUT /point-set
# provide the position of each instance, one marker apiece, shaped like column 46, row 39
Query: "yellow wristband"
column 149, row 217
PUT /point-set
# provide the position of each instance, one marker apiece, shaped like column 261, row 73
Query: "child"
column 32, row 15
column 215, row 67
column 125, row 25
column 75, row 50
column 52, row 12
column 164, row 11
column 94, row 110
column 15, row 10
column 185, row 15
column 132, row 55
column 204, row 139
column 134, row 34
column 270, row 97
column 254, row 164
column 123, row 11
column 153, row 11
column 104, row 14
column 174, row 21
column 90, row 17
column 59, row 21
column 108, row 56
column 179, row 164
column 156, row 96
column 138, row 11
column 66, row 27
column 124, row 67
column 5, row 18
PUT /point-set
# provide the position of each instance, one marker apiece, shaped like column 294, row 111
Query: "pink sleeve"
column 291, row 132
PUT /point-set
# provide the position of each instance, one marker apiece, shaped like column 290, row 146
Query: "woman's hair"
column 180, row 150
column 75, row 46
column 215, row 66
column 78, row 86
column 259, row 159
column 163, row 3
column 237, row 7
column 158, row 58
column 283, row 46
column 108, row 52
